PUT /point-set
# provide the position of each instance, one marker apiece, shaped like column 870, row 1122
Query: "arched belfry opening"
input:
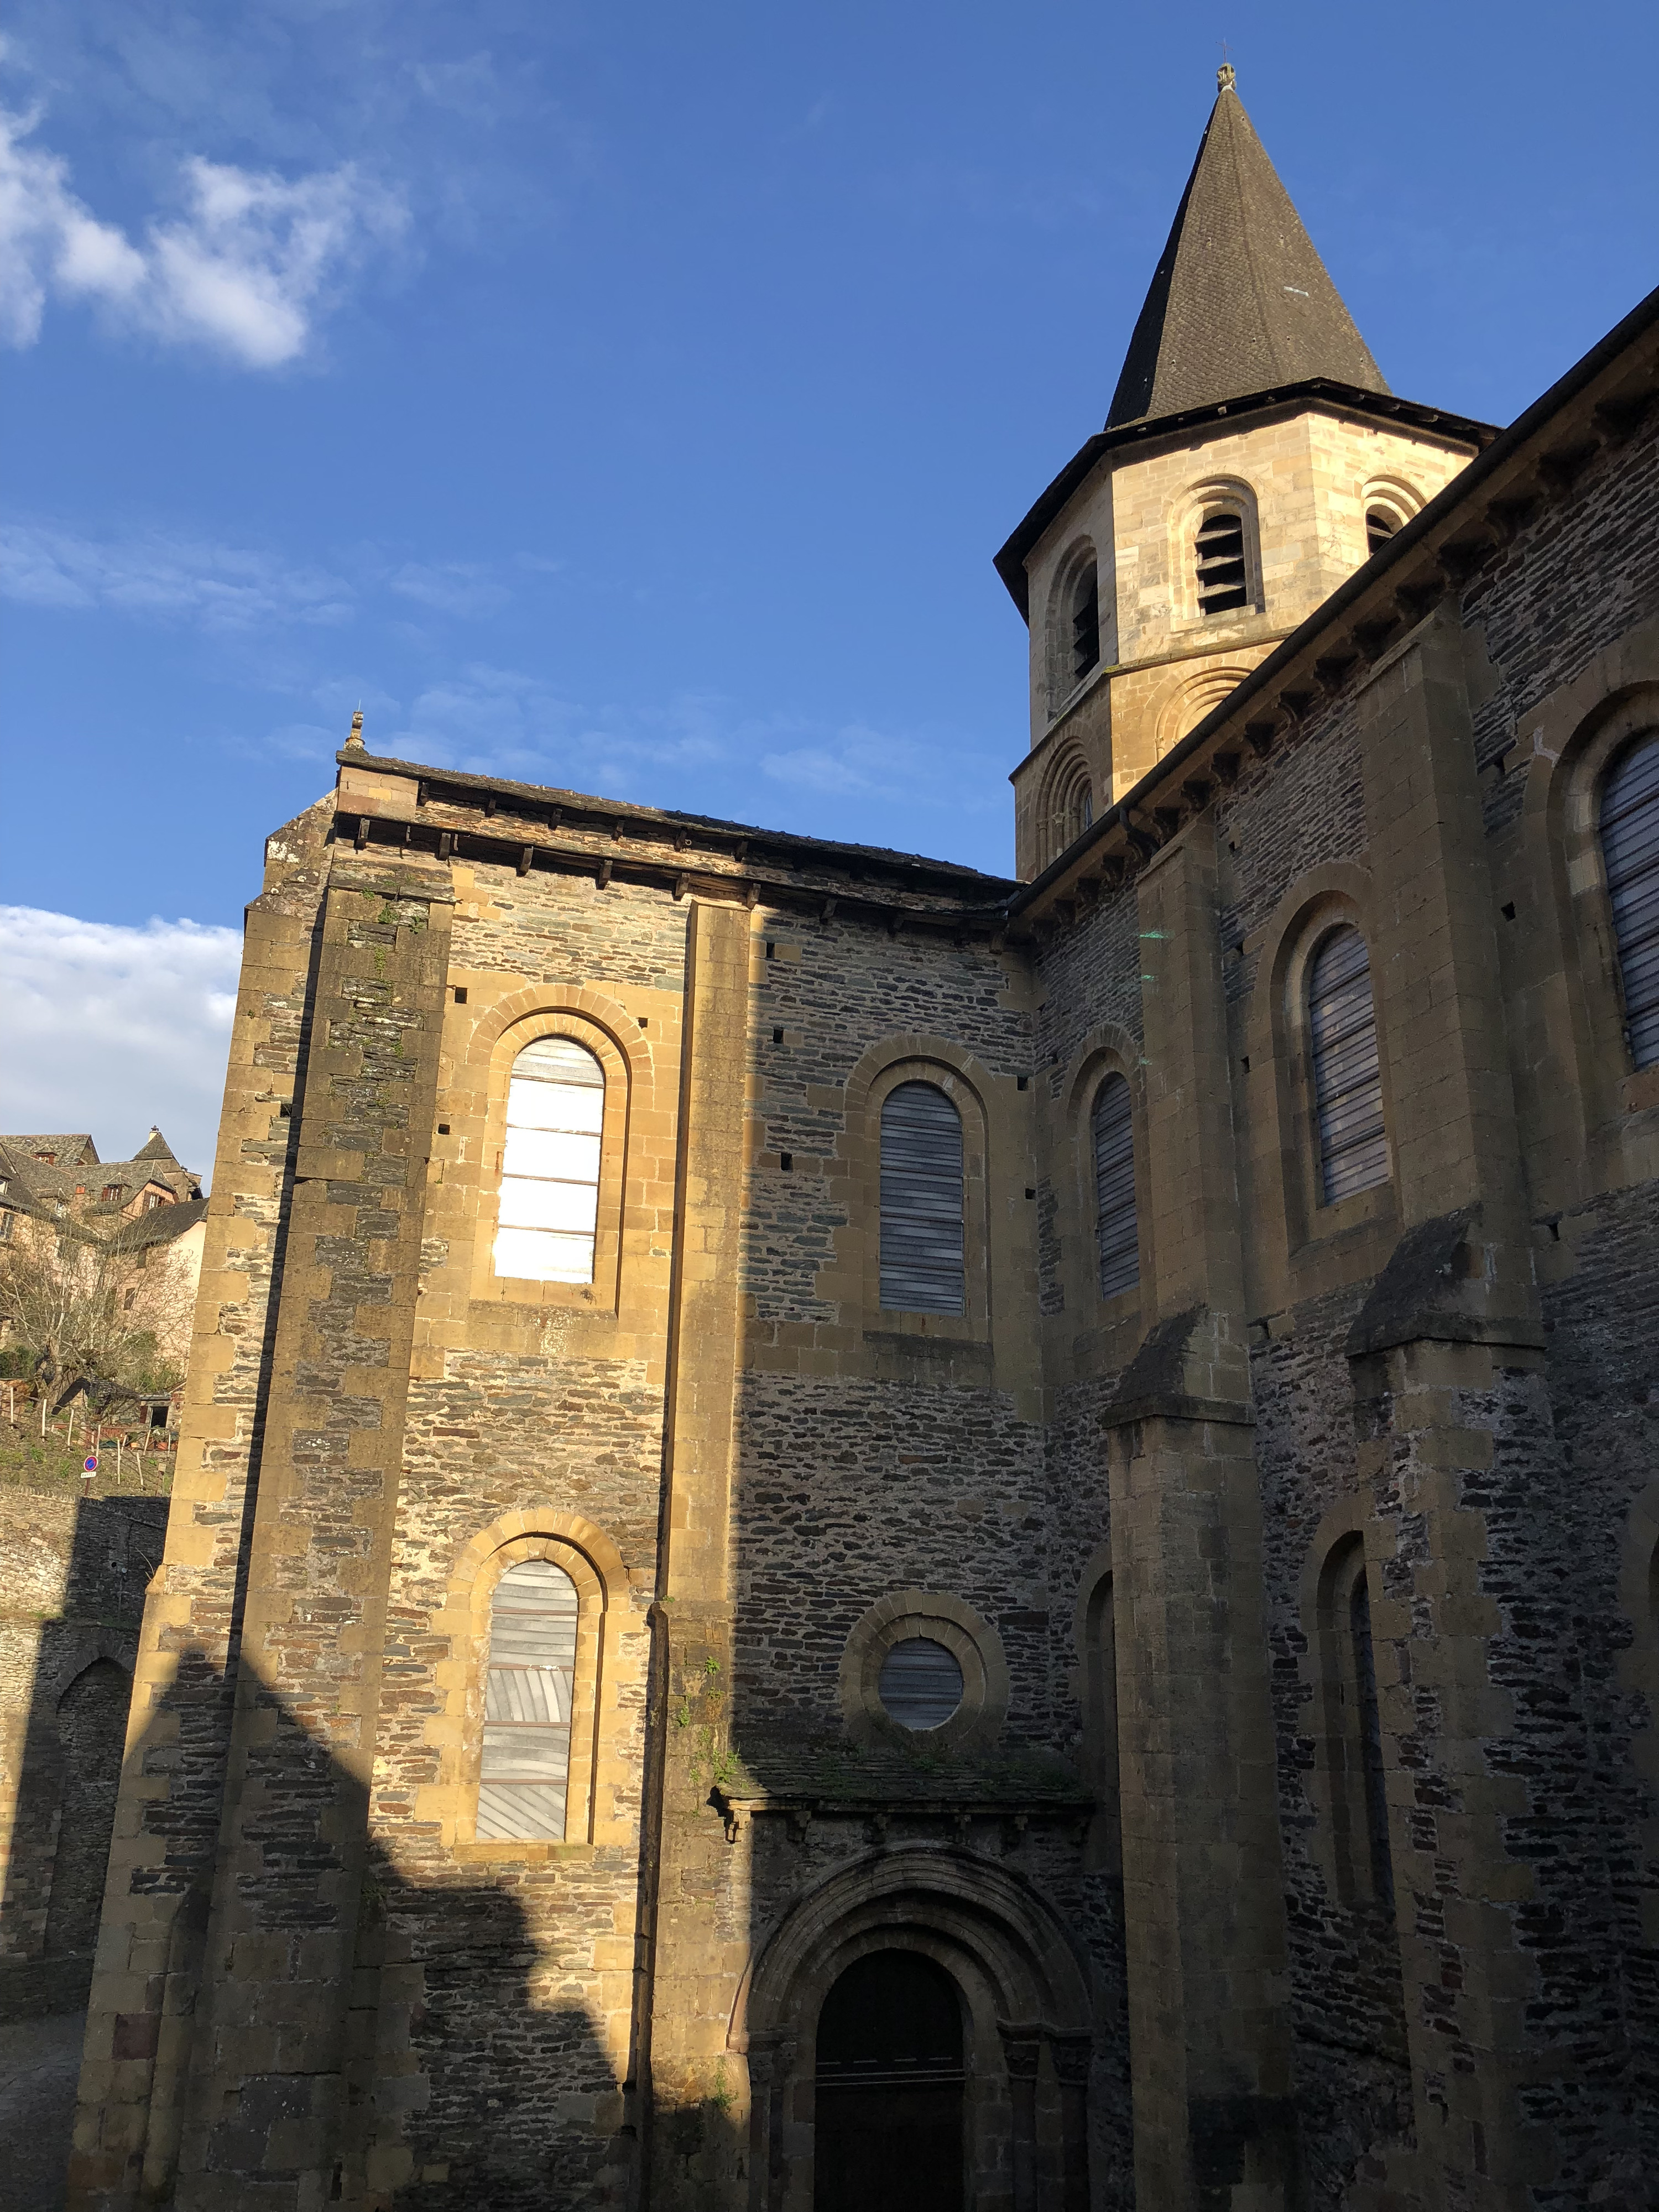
column 890, row 2082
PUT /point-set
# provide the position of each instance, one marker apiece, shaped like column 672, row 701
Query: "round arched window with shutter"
column 1347, row 1077
column 921, row 1246
column 1630, row 851
column 1116, row 1233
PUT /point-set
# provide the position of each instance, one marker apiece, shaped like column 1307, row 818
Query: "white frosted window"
column 526, row 1737
column 550, row 1165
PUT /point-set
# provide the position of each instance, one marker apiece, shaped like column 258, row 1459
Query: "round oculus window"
column 921, row 1683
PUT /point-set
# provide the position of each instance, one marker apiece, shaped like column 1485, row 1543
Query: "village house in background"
column 850, row 1535
column 135, row 1228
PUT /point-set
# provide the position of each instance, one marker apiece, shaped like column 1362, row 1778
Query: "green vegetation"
column 30, row 1462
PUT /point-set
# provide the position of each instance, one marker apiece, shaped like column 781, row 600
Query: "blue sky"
column 632, row 397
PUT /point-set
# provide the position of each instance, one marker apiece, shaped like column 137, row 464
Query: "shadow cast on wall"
column 74, row 1571
column 466, row 2074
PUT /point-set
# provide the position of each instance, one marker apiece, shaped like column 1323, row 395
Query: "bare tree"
column 87, row 1311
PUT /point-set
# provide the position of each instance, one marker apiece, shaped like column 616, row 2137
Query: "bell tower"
column 1252, row 458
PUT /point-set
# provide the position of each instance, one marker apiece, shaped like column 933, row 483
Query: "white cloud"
column 110, row 1027
column 219, row 587
column 244, row 271
column 450, row 588
column 857, row 762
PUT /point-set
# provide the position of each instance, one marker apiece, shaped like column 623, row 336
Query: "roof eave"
column 1318, row 391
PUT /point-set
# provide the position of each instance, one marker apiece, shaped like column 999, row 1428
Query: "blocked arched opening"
column 92, row 1722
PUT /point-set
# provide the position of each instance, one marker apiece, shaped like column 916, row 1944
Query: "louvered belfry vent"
column 1085, row 624
column 922, row 1269
column 1630, row 848
column 1347, row 1077
column 1118, row 1241
column 526, row 1738
column 1220, row 551
column 550, row 1163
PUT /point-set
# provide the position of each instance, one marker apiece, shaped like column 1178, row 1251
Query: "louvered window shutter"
column 550, row 1163
column 526, row 1737
column 1347, row 1077
column 1118, row 1241
column 922, row 1267
column 1629, row 848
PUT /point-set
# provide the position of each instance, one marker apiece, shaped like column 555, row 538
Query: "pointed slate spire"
column 1241, row 300
column 155, row 1147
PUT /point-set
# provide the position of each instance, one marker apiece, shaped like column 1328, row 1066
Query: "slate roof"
column 161, row 1225
column 1240, row 300
column 74, row 1150
column 37, row 1187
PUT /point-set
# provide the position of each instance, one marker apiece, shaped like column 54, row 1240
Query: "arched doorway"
column 888, row 2088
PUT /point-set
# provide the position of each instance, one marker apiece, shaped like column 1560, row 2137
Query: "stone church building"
column 852, row 1536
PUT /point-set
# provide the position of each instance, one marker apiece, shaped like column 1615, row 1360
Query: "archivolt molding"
column 1186, row 700
column 1015, row 1937
column 1393, row 494
column 1341, row 889
column 1107, row 1048
column 953, row 1059
column 618, row 1023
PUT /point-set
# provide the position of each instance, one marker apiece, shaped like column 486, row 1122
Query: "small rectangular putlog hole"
column 460, row 994
column 443, row 1128
column 787, row 1162
column 777, row 1036
column 1508, row 912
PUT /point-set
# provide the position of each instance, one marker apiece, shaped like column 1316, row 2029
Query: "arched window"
column 922, row 1260
column 1085, row 622
column 889, row 2092
column 1630, row 849
column 526, row 1773
column 1380, row 526
column 1219, row 553
column 1117, row 1242
column 1347, row 1076
column 1358, row 1774
column 550, row 1163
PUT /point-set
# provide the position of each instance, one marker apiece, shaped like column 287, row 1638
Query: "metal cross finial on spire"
column 356, row 736
column 1225, row 77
